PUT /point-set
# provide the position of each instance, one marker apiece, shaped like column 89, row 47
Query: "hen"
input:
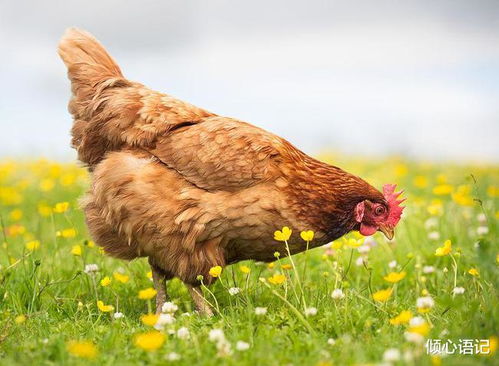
column 192, row 190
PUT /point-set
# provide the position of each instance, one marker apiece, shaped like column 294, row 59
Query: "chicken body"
column 190, row 189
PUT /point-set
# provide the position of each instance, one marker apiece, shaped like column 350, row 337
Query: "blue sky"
column 418, row 78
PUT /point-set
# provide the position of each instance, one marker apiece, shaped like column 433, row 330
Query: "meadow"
column 356, row 301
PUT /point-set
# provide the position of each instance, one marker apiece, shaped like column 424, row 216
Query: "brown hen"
column 190, row 189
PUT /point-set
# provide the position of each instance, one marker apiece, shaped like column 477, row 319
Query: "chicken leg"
column 200, row 302
column 159, row 281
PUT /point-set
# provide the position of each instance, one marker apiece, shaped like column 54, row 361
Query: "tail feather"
column 91, row 71
column 109, row 111
column 87, row 61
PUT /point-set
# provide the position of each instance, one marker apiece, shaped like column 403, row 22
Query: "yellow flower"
column 307, row 235
column 33, row 245
column 271, row 265
column 121, row 277
column 215, row 271
column 443, row 189
column 67, row 179
column 283, row 235
column 353, row 243
column 382, row 295
column 286, row 266
column 44, row 210
column 67, row 233
column 16, row 215
column 337, row 244
column 436, row 360
column 421, row 329
column 245, row 269
column 83, row 349
column 90, row 244
column 76, row 250
column 149, row 341
column 420, row 181
column 147, row 294
column 149, row 274
column 401, row 170
column 46, row 185
column 106, row 281
column 394, row 277
column 462, row 196
column 61, row 207
column 493, row 191
column 149, row 319
column 402, row 318
column 436, row 208
column 446, row 249
column 489, row 351
column 20, row 319
column 474, row 272
column 277, row 279
column 104, row 308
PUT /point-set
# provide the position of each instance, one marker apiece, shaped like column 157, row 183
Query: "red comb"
column 395, row 210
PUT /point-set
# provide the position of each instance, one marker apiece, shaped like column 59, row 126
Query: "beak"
column 388, row 231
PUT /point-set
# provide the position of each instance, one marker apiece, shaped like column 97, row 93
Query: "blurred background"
column 413, row 78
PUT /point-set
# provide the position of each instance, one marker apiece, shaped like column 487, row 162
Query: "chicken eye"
column 380, row 210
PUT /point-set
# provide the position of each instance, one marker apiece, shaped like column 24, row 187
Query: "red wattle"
column 367, row 230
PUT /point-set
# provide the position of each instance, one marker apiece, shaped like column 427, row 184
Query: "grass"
column 47, row 300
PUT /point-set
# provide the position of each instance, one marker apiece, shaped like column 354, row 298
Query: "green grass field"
column 48, row 303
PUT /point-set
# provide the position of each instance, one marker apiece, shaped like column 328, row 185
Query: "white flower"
column 234, row 290
column 45, row 340
column 310, row 311
column 482, row 230
column 260, row 311
column 428, row 269
column 414, row 337
column 118, row 315
column 391, row 355
column 443, row 333
column 360, row 261
column 392, row 264
column 425, row 302
column 434, row 235
column 331, row 341
column 173, row 356
column 408, row 356
column 337, row 294
column 482, row 219
column 164, row 319
column 445, row 270
column 370, row 241
column 458, row 290
column 224, row 348
column 91, row 268
column 216, row 335
column 169, row 307
column 363, row 249
column 416, row 321
column 183, row 333
column 431, row 223
column 242, row 346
